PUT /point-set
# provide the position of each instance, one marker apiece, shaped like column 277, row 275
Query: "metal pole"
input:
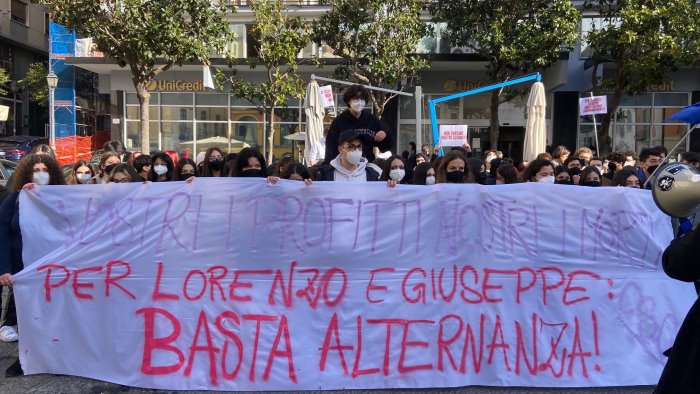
column 14, row 108
column 419, row 117
column 52, row 121
column 595, row 133
column 433, row 117
column 367, row 86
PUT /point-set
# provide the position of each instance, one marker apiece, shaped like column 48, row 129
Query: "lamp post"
column 52, row 81
column 13, row 87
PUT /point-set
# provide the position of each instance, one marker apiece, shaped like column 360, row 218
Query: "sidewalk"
column 53, row 384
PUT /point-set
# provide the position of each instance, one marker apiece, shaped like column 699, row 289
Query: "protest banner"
column 236, row 284
column 593, row 105
column 453, row 135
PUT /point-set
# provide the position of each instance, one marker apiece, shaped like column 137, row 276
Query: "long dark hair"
column 387, row 168
column 168, row 162
column 421, row 173
column 533, row 168
column 180, row 164
column 206, row 170
column 441, row 170
column 242, row 161
column 125, row 168
column 72, row 180
column 295, row 168
column 25, row 171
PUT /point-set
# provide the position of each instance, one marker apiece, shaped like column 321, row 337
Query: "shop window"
column 670, row 99
column 176, row 98
column 211, row 99
column 176, row 113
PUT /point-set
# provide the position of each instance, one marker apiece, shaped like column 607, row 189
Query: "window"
column 18, row 10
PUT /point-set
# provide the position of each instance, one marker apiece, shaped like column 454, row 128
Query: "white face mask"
column 83, row 178
column 547, row 179
column 489, row 158
column 41, row 178
column 500, row 182
column 629, row 163
column 160, row 169
column 354, row 157
column 397, row 174
column 430, row 180
column 357, row 105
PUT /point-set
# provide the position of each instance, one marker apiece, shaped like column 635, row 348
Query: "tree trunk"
column 144, row 100
column 270, row 136
column 604, row 134
column 493, row 130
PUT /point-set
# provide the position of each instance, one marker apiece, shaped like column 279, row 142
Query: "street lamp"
column 14, row 87
column 52, row 81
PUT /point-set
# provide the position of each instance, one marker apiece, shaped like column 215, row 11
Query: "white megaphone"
column 676, row 189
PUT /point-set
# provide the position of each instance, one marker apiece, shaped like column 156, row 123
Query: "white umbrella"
column 218, row 142
column 314, row 116
column 536, row 130
column 300, row 136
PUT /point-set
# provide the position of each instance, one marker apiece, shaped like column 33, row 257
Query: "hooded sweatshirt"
column 366, row 126
column 341, row 174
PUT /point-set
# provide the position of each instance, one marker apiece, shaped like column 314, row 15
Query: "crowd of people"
column 349, row 155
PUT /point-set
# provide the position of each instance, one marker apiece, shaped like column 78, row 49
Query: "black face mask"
column 109, row 168
column 651, row 169
column 574, row 171
column 184, row 177
column 612, row 167
column 455, row 177
column 217, row 164
column 564, row 182
column 591, row 183
column 253, row 173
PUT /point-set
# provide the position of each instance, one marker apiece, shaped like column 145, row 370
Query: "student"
column 562, row 176
column 32, row 170
column 124, row 173
column 142, row 165
column 368, row 127
column 213, row 163
column 627, row 177
column 590, row 177
column 453, row 169
column 249, row 163
column 184, row 170
column 539, row 170
column 348, row 165
column 506, row 174
column 81, row 173
column 162, row 169
column 108, row 161
column 424, row 174
column 394, row 170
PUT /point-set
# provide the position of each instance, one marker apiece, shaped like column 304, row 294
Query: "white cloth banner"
column 235, row 284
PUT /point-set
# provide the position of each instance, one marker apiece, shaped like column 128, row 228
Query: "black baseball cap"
column 348, row 135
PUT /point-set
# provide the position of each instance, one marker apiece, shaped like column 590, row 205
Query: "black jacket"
column 10, row 236
column 681, row 374
column 366, row 125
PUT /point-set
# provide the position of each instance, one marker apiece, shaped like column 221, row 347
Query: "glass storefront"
column 639, row 122
column 473, row 111
column 201, row 120
column 198, row 121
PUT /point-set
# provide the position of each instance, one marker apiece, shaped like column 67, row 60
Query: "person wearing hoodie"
column 348, row 165
column 368, row 127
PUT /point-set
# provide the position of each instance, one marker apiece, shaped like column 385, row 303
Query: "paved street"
column 72, row 385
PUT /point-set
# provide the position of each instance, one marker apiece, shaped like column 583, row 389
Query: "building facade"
column 23, row 40
column 185, row 115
